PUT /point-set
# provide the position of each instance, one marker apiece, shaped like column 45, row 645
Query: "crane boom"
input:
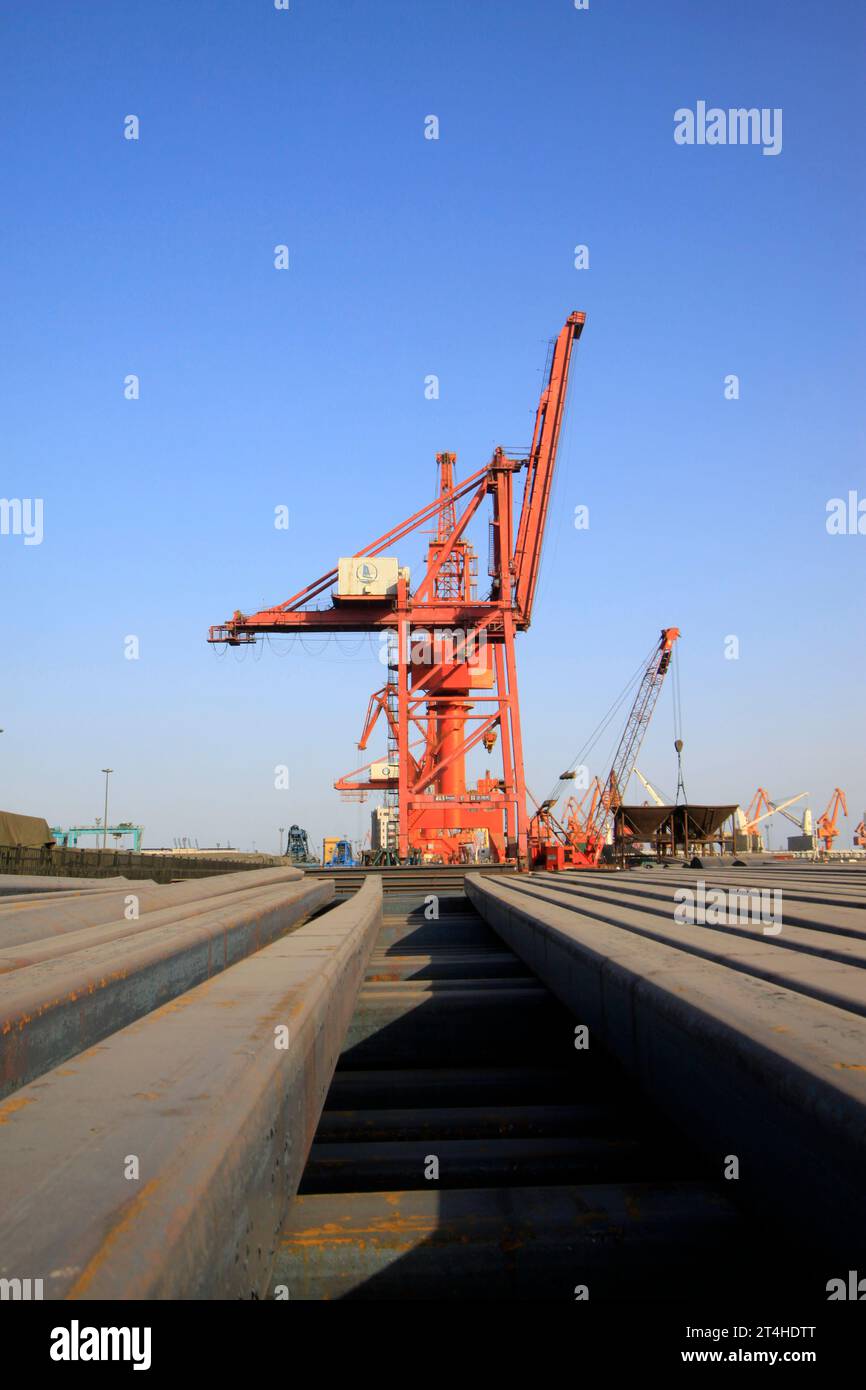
column 649, row 787
column 629, row 745
column 540, row 468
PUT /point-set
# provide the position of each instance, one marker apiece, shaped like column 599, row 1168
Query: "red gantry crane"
column 452, row 677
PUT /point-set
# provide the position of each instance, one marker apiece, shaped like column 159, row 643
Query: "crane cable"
column 602, row 725
column 678, row 728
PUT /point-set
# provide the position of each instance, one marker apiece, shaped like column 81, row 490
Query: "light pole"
column 282, row 828
column 107, row 771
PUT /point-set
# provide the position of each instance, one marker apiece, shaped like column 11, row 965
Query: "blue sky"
column 306, row 387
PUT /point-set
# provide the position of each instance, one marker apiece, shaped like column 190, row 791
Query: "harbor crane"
column 762, row 806
column 452, row 673
column 827, row 828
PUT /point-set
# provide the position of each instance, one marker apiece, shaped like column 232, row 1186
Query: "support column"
column 403, row 652
column 517, row 742
column 505, row 738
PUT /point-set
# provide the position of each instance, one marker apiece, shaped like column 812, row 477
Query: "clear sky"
column 305, row 387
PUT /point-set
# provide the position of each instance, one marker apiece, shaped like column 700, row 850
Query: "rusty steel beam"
column 26, row 921
column 445, row 965
column 53, row 948
column 406, row 989
column 746, row 1066
column 54, row 1009
column 829, row 978
column 641, row 1241
column 456, row 1027
column 462, row 1086
column 840, row 937
column 353, row 1166
column 216, row 1112
column 459, row 1122
column 24, row 885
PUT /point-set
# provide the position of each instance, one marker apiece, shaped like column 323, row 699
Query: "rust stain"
column 332, row 1233
column 850, row 1066
column 11, row 1106
column 93, row 1266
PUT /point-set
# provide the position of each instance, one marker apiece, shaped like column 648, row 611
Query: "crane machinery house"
column 366, row 576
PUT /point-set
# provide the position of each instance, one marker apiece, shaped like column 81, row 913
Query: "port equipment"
column 552, row 845
column 68, row 839
column 762, row 806
column 578, row 815
column 860, row 833
column 452, row 677
column 758, row 809
column 827, row 827
column 338, row 854
column 298, row 846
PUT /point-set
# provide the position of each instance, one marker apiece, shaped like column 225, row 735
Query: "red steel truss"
column 452, row 679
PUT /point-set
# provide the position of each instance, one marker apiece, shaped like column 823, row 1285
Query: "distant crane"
column 759, row 808
column 860, row 833
column 630, row 744
column 577, row 815
column 554, row 844
column 762, row 806
column 649, row 787
column 827, row 827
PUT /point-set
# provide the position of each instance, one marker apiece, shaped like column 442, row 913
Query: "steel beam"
column 641, row 1242
column 751, row 1070
column 52, row 1010
column 34, row 920
column 161, row 1164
